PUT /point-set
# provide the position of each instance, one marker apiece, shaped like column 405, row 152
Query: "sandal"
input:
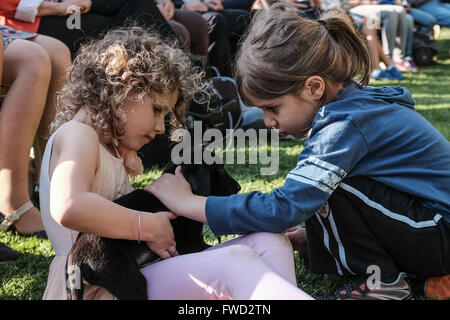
column 7, row 222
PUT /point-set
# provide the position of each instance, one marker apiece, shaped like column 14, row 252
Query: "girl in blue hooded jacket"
column 372, row 183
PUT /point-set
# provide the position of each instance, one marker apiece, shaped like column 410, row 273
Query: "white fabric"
column 27, row 10
column 110, row 181
column 390, row 214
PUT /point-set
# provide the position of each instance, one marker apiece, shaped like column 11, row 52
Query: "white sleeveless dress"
column 110, row 181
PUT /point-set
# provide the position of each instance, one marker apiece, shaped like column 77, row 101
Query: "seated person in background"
column 33, row 68
column 376, row 52
column 190, row 27
column 238, row 4
column 393, row 22
column 425, row 20
column 51, row 18
column 439, row 10
column 6, row 253
column 226, row 27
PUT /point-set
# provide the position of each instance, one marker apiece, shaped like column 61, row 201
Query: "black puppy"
column 114, row 264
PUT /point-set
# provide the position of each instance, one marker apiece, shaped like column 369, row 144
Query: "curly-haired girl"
column 119, row 90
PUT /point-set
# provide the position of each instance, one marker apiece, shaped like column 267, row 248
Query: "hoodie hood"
column 389, row 94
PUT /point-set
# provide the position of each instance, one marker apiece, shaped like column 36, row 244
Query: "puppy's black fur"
column 114, row 264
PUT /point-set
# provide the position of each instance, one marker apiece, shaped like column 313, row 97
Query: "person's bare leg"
column 60, row 60
column 26, row 69
column 383, row 57
column 372, row 41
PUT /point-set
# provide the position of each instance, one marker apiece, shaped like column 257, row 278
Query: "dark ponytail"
column 341, row 28
column 283, row 49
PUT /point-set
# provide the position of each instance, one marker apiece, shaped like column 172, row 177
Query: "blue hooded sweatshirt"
column 367, row 131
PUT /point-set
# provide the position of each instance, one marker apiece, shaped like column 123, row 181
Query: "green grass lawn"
column 26, row 277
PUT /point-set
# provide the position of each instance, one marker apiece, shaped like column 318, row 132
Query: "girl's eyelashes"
column 273, row 109
column 157, row 109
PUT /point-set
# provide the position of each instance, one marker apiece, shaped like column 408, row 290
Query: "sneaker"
column 358, row 290
column 395, row 73
column 437, row 288
column 382, row 75
column 7, row 254
column 410, row 61
column 403, row 65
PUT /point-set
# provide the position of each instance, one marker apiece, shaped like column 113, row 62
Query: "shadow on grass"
column 443, row 47
column 24, row 278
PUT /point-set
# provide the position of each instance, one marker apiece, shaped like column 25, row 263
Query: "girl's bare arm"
column 72, row 204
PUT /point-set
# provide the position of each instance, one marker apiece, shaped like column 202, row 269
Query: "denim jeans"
column 393, row 25
column 409, row 35
column 424, row 19
column 441, row 11
column 238, row 4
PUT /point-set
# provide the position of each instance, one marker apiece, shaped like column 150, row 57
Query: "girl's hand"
column 157, row 228
column 64, row 8
column 172, row 189
column 176, row 194
column 68, row 6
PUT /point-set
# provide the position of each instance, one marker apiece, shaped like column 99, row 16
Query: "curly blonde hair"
column 127, row 63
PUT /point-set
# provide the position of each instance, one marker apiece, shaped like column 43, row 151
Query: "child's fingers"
column 170, row 215
column 164, row 250
column 290, row 230
column 173, row 251
column 178, row 172
column 164, row 254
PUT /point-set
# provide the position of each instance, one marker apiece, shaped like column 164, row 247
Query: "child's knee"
column 60, row 56
column 37, row 64
column 240, row 252
column 24, row 58
column 276, row 240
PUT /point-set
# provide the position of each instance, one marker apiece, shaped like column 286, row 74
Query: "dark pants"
column 366, row 223
column 238, row 4
column 226, row 28
column 104, row 15
column 197, row 29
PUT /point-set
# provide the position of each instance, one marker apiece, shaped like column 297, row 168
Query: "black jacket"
column 178, row 3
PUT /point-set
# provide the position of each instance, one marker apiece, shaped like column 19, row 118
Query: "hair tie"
column 323, row 23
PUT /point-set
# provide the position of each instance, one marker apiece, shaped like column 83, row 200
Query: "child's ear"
column 315, row 87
